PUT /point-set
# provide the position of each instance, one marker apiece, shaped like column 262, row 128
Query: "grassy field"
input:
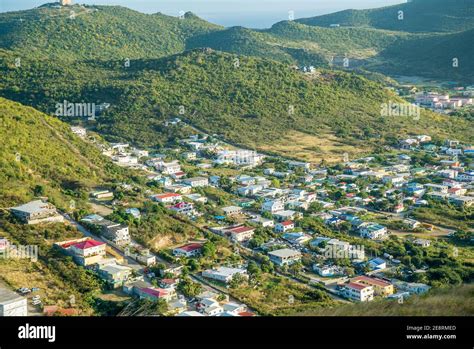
column 313, row 148
column 279, row 296
column 442, row 302
column 53, row 290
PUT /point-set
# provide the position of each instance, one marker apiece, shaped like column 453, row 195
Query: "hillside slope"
column 257, row 104
column 431, row 56
column 262, row 102
column 418, row 16
column 39, row 150
column 97, row 32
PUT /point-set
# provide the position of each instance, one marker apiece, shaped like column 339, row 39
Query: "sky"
column 247, row 13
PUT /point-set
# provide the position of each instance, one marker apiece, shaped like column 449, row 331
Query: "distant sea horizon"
column 247, row 13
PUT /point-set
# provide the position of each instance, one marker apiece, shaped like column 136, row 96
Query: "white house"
column 167, row 198
column 169, row 167
column 372, row 231
column 186, row 208
column 232, row 210
column 196, row 182
column 284, row 256
column 264, row 222
column 241, row 233
column 273, row 206
column 284, row 226
column 11, row 304
column 223, row 274
column 239, row 157
column 35, row 212
column 188, row 250
column 358, row 292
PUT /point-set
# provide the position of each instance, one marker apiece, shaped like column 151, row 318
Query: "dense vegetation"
column 97, row 32
column 210, row 91
column 430, row 56
column 40, row 156
column 57, row 276
column 419, row 16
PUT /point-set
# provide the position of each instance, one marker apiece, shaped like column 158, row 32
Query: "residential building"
column 115, row 275
column 167, row 198
column 154, row 294
column 264, row 222
column 328, row 270
column 296, row 238
column 273, row 206
column 377, row 264
column 168, row 168
column 223, row 274
column 240, row 233
column 239, row 157
column 11, row 304
column 287, row 215
column 85, row 251
column 196, row 182
column 232, row 210
column 284, row 256
column 381, row 287
column 284, row 226
column 185, row 208
column 358, row 292
column 372, row 231
column 36, row 212
column 196, row 198
column 117, row 233
column 422, row 242
column 188, row 250
column 412, row 287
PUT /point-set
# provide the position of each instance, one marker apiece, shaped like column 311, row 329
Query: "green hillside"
column 220, row 97
column 418, row 16
column 40, row 156
column 242, row 41
column 431, row 56
column 103, row 33
column 97, row 32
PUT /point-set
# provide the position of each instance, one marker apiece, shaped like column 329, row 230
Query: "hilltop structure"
column 65, row 2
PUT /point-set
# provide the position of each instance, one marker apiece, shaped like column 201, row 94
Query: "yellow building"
column 381, row 287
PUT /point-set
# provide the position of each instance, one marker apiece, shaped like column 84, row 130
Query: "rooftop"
column 190, row 247
column 7, row 296
column 87, row 244
column 35, row 206
column 285, row 252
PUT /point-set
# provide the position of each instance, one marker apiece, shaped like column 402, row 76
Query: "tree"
column 189, row 288
column 193, row 264
column 295, row 268
column 256, row 242
column 237, row 280
column 38, row 190
column 253, row 269
column 209, row 249
column 315, row 207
